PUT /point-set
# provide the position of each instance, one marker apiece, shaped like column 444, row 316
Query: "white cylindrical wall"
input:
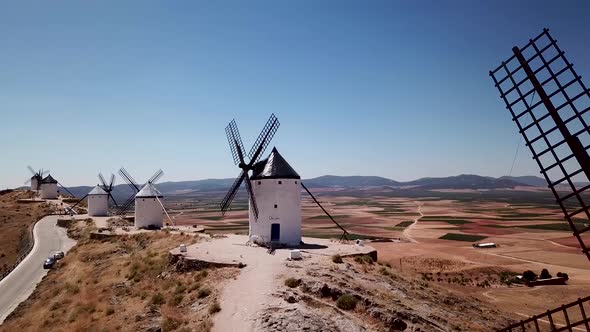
column 49, row 190
column 278, row 201
column 98, row 205
column 148, row 211
column 34, row 184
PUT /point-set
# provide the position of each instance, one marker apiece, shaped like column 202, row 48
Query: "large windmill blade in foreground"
column 555, row 128
column 555, row 125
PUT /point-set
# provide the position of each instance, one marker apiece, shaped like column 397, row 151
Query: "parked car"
column 49, row 262
column 58, row 255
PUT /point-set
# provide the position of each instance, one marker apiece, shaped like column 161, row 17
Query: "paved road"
column 21, row 282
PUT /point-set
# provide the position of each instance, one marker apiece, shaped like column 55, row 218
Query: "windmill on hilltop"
column 274, row 189
column 98, row 197
column 35, row 180
column 146, row 199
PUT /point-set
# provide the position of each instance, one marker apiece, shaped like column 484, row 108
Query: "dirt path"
column 250, row 293
column 406, row 231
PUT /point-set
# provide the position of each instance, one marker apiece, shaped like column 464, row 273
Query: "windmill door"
column 275, row 232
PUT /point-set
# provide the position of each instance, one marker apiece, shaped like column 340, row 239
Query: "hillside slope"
column 17, row 220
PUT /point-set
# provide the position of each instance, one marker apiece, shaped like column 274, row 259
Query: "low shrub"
column 563, row 275
column 545, row 274
column 157, row 299
column 292, row 282
column 203, row 292
column 214, row 308
column 110, row 311
column 529, row 275
column 176, row 299
column 337, row 259
column 384, row 271
column 363, row 259
column 346, row 302
column 170, row 324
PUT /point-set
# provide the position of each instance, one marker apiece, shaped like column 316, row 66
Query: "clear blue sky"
column 392, row 88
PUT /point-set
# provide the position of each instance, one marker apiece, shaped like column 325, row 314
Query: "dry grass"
column 121, row 284
column 16, row 220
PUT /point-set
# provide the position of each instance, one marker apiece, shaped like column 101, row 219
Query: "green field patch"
column 462, row 237
column 404, row 224
column 448, row 221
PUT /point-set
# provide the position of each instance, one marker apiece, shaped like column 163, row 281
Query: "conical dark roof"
column 49, row 179
column 274, row 167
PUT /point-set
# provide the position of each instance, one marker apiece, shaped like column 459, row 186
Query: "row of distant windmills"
column 274, row 192
column 146, row 198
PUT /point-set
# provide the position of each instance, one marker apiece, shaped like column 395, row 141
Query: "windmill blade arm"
column 165, row 211
column 235, row 142
column 112, row 182
column 32, row 170
column 127, row 205
column 156, row 176
column 326, row 212
column 266, row 135
column 253, row 204
column 229, row 197
column 102, row 181
column 67, row 190
column 113, row 199
column 127, row 178
column 80, row 201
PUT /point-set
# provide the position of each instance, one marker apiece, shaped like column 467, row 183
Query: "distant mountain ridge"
column 463, row 181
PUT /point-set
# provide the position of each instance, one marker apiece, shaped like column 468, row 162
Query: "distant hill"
column 464, row 181
column 530, row 180
column 328, row 181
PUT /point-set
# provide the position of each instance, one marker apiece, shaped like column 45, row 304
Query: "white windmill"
column 149, row 210
column 274, row 190
column 48, row 187
column 98, row 198
column 35, row 180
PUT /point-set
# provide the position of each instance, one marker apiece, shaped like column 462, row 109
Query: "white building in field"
column 148, row 208
column 277, row 190
column 98, row 202
column 35, row 182
column 48, row 188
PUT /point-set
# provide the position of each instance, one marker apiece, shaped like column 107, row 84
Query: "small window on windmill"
column 259, row 182
column 280, row 182
column 295, row 182
column 276, row 206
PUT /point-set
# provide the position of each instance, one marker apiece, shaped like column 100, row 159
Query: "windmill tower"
column 98, row 198
column 98, row 202
column 149, row 210
column 274, row 189
column 35, row 180
column 48, row 187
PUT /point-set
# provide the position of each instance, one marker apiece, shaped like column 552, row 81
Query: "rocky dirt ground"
column 385, row 301
column 121, row 283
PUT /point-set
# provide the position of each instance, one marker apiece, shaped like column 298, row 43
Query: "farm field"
column 429, row 235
